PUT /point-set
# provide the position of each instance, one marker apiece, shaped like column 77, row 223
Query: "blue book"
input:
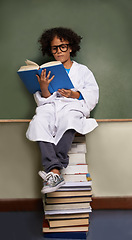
column 66, row 235
column 69, row 232
column 28, row 76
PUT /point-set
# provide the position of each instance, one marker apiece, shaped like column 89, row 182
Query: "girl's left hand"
column 65, row 93
column 69, row 93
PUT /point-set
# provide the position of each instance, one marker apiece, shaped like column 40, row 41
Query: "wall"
column 106, row 49
column 108, row 155
column 110, row 159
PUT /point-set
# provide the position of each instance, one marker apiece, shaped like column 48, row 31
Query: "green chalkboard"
column 106, row 49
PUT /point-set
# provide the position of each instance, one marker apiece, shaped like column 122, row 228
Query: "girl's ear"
column 70, row 47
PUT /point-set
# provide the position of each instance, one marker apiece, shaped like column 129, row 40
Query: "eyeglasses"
column 62, row 47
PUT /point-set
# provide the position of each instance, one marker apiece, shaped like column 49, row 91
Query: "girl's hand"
column 44, row 80
column 65, row 93
column 44, row 83
column 69, row 93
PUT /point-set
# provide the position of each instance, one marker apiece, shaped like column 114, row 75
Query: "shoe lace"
column 52, row 177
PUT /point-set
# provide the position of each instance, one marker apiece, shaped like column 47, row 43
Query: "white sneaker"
column 52, row 181
column 42, row 174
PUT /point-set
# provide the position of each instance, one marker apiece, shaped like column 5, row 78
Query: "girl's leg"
column 63, row 147
column 48, row 155
column 51, row 180
column 55, row 156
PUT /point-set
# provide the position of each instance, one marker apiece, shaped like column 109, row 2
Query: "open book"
column 28, row 76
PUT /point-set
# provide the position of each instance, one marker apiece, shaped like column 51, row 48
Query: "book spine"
column 66, row 235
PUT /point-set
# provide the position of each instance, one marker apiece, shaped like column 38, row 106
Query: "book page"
column 48, row 64
column 30, row 66
column 28, row 62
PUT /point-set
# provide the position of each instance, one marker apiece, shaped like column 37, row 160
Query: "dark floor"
column 104, row 225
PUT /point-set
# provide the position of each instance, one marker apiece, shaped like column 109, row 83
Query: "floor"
column 104, row 225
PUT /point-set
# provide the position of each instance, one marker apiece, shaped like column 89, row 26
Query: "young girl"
column 61, row 114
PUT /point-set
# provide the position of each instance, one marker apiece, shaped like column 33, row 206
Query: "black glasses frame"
column 54, row 49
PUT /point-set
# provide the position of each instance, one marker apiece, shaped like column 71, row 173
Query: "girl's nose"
column 58, row 50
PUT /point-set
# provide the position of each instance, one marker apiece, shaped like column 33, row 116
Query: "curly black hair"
column 62, row 33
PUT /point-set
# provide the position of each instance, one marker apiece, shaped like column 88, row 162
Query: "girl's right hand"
column 44, row 80
column 44, row 83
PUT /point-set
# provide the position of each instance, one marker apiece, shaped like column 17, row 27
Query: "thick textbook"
column 28, row 76
column 76, row 185
column 75, row 169
column 46, row 228
column 71, row 193
column 68, row 216
column 66, row 206
column 68, row 222
column 68, row 211
column 68, row 200
column 78, row 148
column 75, row 177
column 77, row 158
column 67, row 235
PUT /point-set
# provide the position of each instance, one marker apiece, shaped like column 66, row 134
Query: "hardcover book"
column 68, row 211
column 68, row 216
column 78, row 148
column 66, row 206
column 68, row 222
column 75, row 177
column 75, row 169
column 71, row 193
column 67, row 235
column 68, row 200
column 28, row 76
column 77, row 158
column 46, row 228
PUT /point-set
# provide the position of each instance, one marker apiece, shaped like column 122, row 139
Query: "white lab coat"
column 56, row 114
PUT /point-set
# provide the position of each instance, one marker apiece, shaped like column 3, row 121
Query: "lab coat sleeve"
column 41, row 100
column 88, row 88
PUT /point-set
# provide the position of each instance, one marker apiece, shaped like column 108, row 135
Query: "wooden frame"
column 28, row 120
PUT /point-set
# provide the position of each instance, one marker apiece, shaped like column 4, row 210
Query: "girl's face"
column 61, row 51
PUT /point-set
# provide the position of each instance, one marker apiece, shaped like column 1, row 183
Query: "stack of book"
column 66, row 211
